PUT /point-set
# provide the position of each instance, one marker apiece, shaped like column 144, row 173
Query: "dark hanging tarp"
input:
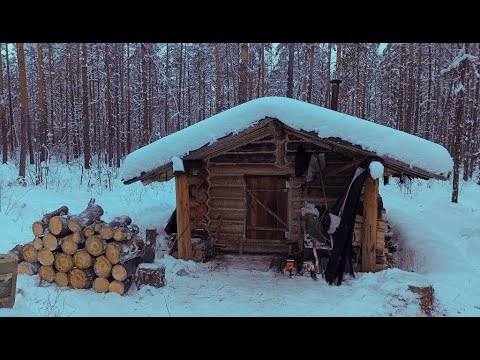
column 342, row 252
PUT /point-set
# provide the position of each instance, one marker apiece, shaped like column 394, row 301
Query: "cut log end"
column 69, row 246
column 38, row 228
column 82, row 259
column 58, row 225
column 81, row 279
column 106, row 232
column 37, row 243
column 61, row 279
column 50, row 242
column 95, row 245
column 27, row 268
column 89, row 231
column 101, row 284
column 120, row 287
column 29, row 253
column 45, row 257
column 46, row 273
column 63, row 210
column 102, row 266
column 63, row 262
column 119, row 273
column 113, row 253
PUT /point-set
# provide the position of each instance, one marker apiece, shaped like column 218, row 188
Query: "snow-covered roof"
column 382, row 140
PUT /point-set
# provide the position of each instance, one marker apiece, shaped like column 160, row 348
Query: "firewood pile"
column 82, row 251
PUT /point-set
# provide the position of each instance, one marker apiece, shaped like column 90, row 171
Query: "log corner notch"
column 370, row 213
column 184, row 235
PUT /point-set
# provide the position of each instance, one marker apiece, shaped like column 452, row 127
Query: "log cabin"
column 237, row 173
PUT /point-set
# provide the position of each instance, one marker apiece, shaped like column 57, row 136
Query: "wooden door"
column 267, row 213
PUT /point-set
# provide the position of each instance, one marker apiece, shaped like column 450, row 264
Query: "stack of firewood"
column 82, row 251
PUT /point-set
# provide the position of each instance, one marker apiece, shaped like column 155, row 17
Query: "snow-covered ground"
column 439, row 241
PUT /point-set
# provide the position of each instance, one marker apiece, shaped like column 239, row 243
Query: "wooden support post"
column 370, row 209
column 183, row 217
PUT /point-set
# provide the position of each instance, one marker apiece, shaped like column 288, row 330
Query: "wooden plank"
column 183, row 217
column 369, row 224
column 240, row 169
column 341, row 169
column 252, row 158
column 254, row 197
column 266, row 228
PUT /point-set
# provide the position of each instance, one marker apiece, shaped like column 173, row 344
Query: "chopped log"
column 50, row 242
column 106, row 232
column 100, row 285
column 123, row 271
column 63, row 210
column 150, row 244
column 28, row 268
column 29, row 253
column 98, row 226
column 95, row 245
column 82, row 259
column 69, row 246
column 78, row 237
column 123, row 251
column 37, row 243
column 87, row 217
column 16, row 253
column 153, row 275
column 81, row 279
column 201, row 197
column 102, row 266
column 58, row 225
column 38, row 228
column 89, row 231
column 45, row 257
column 61, row 279
column 122, row 234
column 63, row 262
column 201, row 209
column 120, row 287
column 46, row 273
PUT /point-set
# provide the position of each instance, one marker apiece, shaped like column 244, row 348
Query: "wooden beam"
column 337, row 171
column 183, row 217
column 249, row 170
column 370, row 210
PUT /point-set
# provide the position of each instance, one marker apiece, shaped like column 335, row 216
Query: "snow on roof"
column 382, row 140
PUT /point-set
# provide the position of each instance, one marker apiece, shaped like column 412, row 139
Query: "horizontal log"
column 95, row 245
column 63, row 262
column 227, row 226
column 68, row 245
column 239, row 169
column 227, row 180
column 46, row 273
column 38, row 228
column 220, row 204
column 100, row 285
column 61, row 279
column 29, row 253
column 123, row 271
column 82, row 259
column 226, row 215
column 120, row 287
column 50, row 242
column 117, row 252
column 81, row 279
column 58, row 225
column 196, row 181
column 89, row 231
column 37, row 243
column 62, row 210
column 102, row 266
column 46, row 257
column 27, row 268
column 227, row 192
column 125, row 233
column 16, row 253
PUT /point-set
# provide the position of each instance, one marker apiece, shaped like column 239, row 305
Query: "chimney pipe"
column 335, row 88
